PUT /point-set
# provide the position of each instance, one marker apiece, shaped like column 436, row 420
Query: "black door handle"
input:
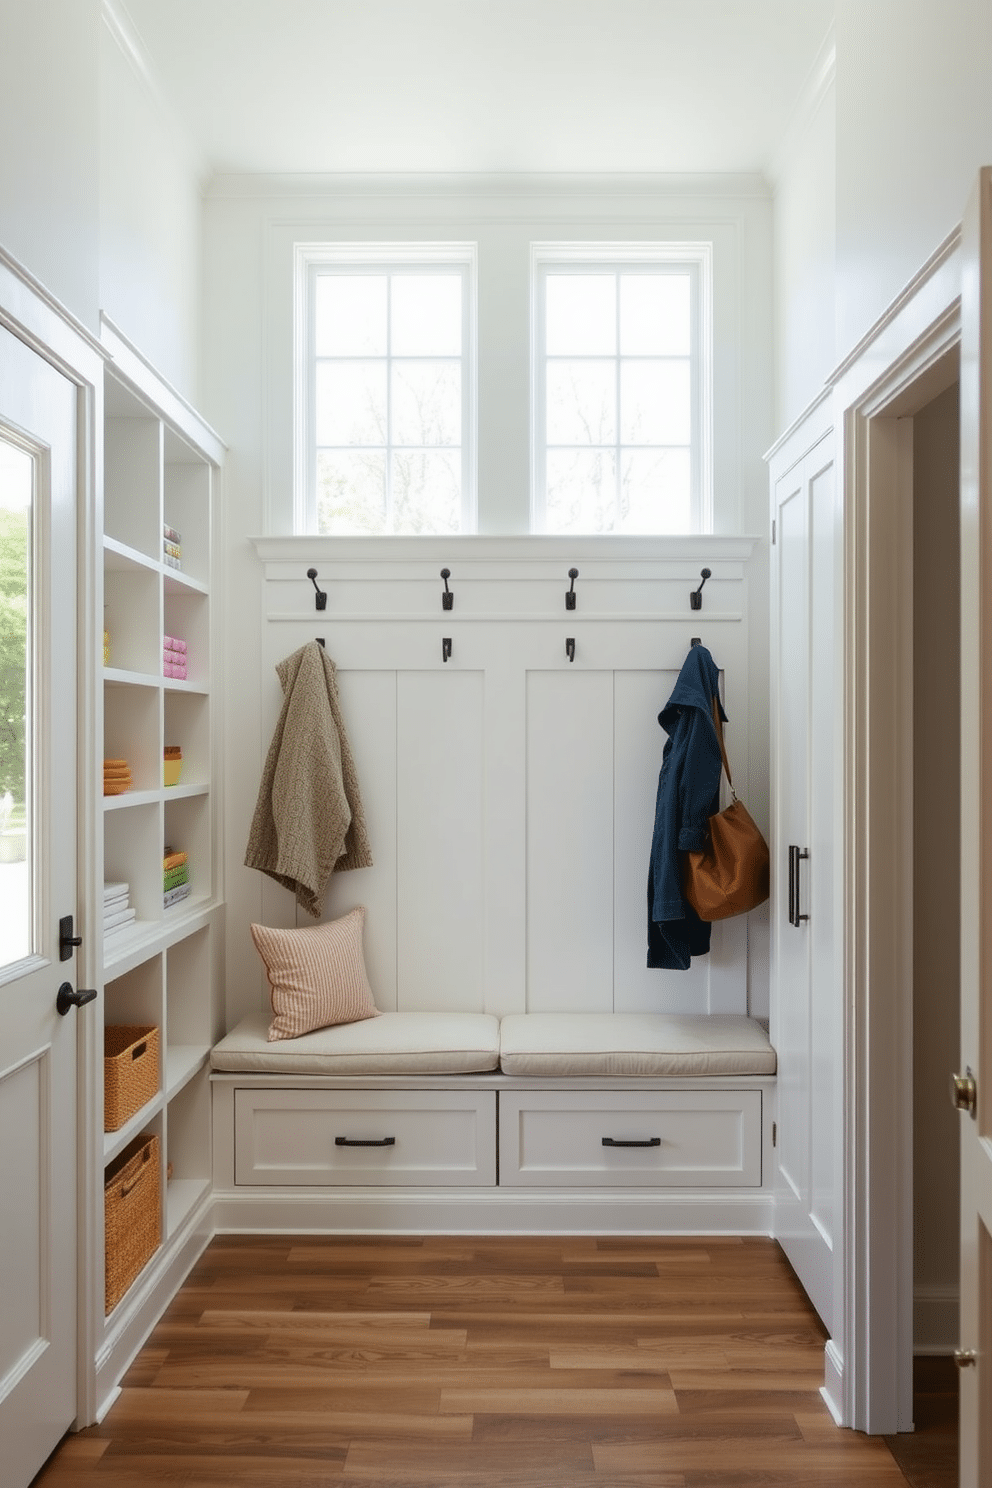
column 67, row 998
column 796, row 856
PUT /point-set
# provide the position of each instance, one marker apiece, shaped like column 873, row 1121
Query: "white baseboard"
column 142, row 1307
column 936, row 1319
column 832, row 1389
column 490, row 1211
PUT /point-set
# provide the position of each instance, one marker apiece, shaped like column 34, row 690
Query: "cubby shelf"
column 161, row 468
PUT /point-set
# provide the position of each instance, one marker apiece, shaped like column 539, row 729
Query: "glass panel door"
column 16, row 510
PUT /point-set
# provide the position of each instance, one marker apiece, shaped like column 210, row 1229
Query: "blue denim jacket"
column 688, row 795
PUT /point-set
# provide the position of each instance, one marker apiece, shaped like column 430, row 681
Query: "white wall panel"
column 509, row 792
column 570, row 841
column 640, row 741
column 439, row 838
column 368, row 707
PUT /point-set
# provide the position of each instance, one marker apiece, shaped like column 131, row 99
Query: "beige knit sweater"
column 308, row 821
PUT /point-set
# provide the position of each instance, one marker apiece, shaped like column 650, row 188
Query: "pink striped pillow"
column 316, row 977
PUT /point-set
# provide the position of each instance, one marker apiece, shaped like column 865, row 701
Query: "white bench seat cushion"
column 392, row 1044
column 659, row 1044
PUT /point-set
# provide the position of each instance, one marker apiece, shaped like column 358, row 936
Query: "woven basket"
column 132, row 1215
column 130, row 1071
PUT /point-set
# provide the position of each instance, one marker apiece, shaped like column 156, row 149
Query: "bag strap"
column 718, row 725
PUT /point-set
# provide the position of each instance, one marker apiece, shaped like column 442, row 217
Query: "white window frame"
column 694, row 258
column 312, row 259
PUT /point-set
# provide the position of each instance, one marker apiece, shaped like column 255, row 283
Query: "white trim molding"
column 908, row 357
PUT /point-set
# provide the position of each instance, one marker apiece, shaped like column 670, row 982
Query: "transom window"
column 621, row 405
column 385, row 432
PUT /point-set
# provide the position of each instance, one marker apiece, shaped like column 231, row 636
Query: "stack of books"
column 174, row 657
column 116, row 777
column 117, row 911
column 175, row 876
column 172, row 547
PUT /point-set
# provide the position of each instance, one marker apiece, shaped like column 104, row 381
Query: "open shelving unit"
column 161, row 468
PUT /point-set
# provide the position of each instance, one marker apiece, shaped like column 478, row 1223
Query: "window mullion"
column 389, row 403
column 617, row 513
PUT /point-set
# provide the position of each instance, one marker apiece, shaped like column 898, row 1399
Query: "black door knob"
column 67, row 998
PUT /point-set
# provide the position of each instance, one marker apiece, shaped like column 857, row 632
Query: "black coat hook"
column 696, row 595
column 570, row 647
column 320, row 601
column 445, row 648
column 573, row 574
column 447, row 598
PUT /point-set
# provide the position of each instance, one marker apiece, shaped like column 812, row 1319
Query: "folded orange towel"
column 173, row 860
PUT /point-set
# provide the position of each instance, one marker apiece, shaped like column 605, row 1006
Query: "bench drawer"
column 304, row 1138
column 667, row 1139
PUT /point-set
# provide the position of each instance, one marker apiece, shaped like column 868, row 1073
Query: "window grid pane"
column 618, row 402
column 389, row 429
column 17, row 843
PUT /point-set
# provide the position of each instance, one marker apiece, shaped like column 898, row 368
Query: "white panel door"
column 975, row 1349
column 803, row 1000
column 37, row 887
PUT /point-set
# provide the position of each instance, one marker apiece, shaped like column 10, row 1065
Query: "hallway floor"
column 467, row 1362
column 928, row 1456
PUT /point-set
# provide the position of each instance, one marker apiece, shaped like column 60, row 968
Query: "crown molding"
column 480, row 186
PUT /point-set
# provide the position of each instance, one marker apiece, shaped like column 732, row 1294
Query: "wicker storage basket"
column 130, row 1071
column 132, row 1215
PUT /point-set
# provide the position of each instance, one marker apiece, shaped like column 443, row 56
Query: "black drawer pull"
column 367, row 1142
column 621, row 1142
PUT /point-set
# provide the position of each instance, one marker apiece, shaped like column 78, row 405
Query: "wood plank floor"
column 344, row 1362
column 928, row 1456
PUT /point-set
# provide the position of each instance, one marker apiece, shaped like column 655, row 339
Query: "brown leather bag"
column 730, row 876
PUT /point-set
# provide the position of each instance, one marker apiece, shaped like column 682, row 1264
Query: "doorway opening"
column 930, row 1454
column 908, row 1011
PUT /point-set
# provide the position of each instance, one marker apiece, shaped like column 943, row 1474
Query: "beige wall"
column 150, row 212
column 914, row 124
column 99, row 188
column 936, row 877
column 805, row 243
column 49, row 163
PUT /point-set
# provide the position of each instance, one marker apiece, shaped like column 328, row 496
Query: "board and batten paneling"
column 510, row 791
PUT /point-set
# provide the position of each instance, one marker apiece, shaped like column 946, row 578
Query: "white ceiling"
column 482, row 85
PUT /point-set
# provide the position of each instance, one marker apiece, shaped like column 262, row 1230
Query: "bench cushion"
column 659, row 1044
column 392, row 1044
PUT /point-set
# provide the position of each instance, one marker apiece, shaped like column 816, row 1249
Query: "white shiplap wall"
column 510, row 792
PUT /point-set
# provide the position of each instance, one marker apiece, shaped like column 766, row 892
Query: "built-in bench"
column 461, row 1120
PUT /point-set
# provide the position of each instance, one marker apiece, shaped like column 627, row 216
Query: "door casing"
column 29, row 312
